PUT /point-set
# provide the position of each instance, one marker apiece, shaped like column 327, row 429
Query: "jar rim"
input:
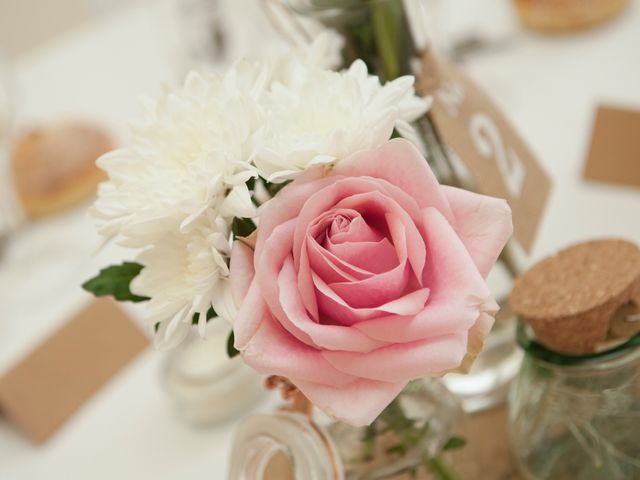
column 545, row 355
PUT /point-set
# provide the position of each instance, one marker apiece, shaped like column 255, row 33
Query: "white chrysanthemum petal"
column 317, row 116
column 171, row 333
column 238, row 203
column 223, row 303
column 184, row 275
column 282, row 176
column 188, row 152
column 322, row 160
column 242, row 177
column 326, row 50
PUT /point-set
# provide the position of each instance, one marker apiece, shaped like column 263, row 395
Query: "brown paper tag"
column 497, row 158
column 614, row 154
column 54, row 380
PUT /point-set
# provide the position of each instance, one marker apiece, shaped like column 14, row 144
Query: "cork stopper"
column 580, row 297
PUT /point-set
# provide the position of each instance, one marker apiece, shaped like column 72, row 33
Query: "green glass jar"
column 577, row 418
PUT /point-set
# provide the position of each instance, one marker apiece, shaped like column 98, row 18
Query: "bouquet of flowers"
column 276, row 197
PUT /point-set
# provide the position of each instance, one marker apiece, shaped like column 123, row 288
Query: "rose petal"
column 403, row 361
column 273, row 351
column 305, row 284
column 400, row 163
column 319, row 255
column 324, row 224
column 372, row 257
column 478, row 333
column 376, row 290
column 337, row 310
column 323, row 267
column 358, row 231
column 241, row 271
column 449, row 265
column 286, row 205
column 251, row 313
column 455, row 285
column 333, row 337
column 441, row 316
column 404, row 234
column 330, row 196
column 483, row 223
column 276, row 249
column 358, row 403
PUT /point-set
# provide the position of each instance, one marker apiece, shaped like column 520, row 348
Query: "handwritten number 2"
column 487, row 140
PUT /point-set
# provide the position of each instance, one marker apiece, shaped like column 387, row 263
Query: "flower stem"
column 440, row 468
column 386, row 18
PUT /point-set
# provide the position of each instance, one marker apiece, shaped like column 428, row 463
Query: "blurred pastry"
column 54, row 166
column 566, row 15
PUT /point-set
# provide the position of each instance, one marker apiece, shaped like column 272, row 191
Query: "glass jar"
column 205, row 385
column 577, row 418
column 286, row 445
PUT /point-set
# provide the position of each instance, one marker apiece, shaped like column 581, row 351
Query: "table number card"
column 497, row 158
column 614, row 153
column 44, row 389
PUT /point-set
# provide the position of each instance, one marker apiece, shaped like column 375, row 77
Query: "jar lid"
column 577, row 299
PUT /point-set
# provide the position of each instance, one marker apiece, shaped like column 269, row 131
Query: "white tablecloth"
column 549, row 87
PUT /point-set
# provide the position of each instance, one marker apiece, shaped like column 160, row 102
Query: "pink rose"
column 366, row 277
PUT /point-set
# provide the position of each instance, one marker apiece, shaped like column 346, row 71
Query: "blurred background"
column 71, row 73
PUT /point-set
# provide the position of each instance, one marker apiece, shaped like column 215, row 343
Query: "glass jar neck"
column 283, row 446
column 288, row 446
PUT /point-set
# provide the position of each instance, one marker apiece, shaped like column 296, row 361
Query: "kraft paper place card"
column 53, row 381
column 496, row 156
column 614, row 153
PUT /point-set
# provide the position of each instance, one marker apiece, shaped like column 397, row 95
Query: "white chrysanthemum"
column 185, row 275
column 189, row 155
column 175, row 190
column 325, row 52
column 319, row 116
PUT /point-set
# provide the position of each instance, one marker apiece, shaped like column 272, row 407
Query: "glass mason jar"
column 410, row 433
column 577, row 418
column 205, row 386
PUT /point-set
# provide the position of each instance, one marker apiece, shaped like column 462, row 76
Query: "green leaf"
column 455, row 442
column 440, row 469
column 231, row 350
column 115, row 281
column 210, row 314
column 274, row 188
column 242, row 227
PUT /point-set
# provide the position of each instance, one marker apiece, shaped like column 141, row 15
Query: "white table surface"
column 549, row 87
